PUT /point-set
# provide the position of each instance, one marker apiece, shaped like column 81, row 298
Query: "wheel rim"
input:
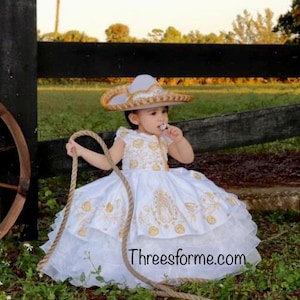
column 25, row 172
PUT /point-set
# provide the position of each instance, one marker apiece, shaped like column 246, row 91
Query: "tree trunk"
column 57, row 17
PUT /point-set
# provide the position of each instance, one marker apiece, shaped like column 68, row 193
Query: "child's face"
column 149, row 120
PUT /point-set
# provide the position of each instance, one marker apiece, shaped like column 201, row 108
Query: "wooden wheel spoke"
column 6, row 148
column 9, row 186
column 25, row 171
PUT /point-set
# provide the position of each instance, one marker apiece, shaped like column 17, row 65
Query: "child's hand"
column 72, row 147
column 174, row 133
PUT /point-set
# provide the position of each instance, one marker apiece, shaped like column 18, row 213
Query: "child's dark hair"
column 127, row 113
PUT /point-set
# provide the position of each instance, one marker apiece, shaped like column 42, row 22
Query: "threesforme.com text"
column 137, row 256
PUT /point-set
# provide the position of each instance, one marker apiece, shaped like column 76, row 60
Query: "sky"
column 93, row 17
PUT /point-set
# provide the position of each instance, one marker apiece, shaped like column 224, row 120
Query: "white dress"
column 183, row 225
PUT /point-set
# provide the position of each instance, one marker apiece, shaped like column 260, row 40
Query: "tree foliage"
column 156, row 35
column 69, row 36
column 172, row 35
column 247, row 30
column 289, row 23
column 117, row 33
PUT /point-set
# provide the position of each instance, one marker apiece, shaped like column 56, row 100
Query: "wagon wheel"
column 25, row 171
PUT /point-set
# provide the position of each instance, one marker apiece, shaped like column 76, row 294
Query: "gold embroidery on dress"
column 109, row 207
column 114, row 212
column 82, row 231
column 191, row 206
column 133, row 164
column 83, row 215
column 211, row 195
column 211, row 219
column 210, row 205
column 179, row 228
column 193, row 210
column 138, row 143
column 164, row 210
column 153, row 230
column 153, row 145
column 197, row 175
column 232, row 200
column 164, row 152
column 156, row 167
column 86, row 206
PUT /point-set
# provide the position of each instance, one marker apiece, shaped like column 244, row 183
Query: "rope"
column 159, row 289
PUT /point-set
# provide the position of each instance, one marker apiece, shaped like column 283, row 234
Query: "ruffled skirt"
column 183, row 225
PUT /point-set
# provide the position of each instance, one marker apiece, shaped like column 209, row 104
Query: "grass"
column 64, row 110
column 73, row 108
column 275, row 277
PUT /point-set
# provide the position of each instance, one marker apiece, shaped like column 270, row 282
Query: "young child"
column 183, row 225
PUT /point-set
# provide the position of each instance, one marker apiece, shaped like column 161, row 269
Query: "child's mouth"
column 163, row 126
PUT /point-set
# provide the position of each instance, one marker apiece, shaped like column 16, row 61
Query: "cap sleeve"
column 122, row 133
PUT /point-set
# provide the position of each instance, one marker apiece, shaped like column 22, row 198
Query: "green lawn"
column 63, row 110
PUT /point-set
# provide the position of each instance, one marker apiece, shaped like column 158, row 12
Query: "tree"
column 57, row 17
column 227, row 37
column 289, row 23
column 172, row 35
column 156, row 35
column 76, row 36
column 69, row 36
column 117, row 33
column 50, row 37
column 246, row 30
column 195, row 37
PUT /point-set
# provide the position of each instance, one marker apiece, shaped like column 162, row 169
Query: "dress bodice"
column 143, row 151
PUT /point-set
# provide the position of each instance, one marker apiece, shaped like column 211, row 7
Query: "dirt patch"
column 250, row 170
column 263, row 181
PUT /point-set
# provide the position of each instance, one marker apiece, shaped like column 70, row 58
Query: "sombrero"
column 143, row 92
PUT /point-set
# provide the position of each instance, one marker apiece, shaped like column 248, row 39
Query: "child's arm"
column 180, row 149
column 97, row 160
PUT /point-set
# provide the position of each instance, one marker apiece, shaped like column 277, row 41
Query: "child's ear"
column 133, row 118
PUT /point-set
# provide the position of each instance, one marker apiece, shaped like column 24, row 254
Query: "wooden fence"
column 207, row 134
column 23, row 60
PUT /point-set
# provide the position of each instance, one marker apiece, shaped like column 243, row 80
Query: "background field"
column 63, row 110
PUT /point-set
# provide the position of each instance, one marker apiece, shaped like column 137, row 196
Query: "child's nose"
column 161, row 117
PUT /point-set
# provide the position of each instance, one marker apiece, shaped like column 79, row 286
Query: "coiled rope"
column 159, row 289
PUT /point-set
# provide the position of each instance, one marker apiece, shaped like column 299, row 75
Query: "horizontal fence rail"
column 212, row 133
column 66, row 60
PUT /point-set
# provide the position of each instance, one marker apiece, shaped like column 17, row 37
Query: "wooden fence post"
column 18, row 88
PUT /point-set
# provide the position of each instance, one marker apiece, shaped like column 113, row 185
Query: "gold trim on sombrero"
column 153, row 95
column 122, row 89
